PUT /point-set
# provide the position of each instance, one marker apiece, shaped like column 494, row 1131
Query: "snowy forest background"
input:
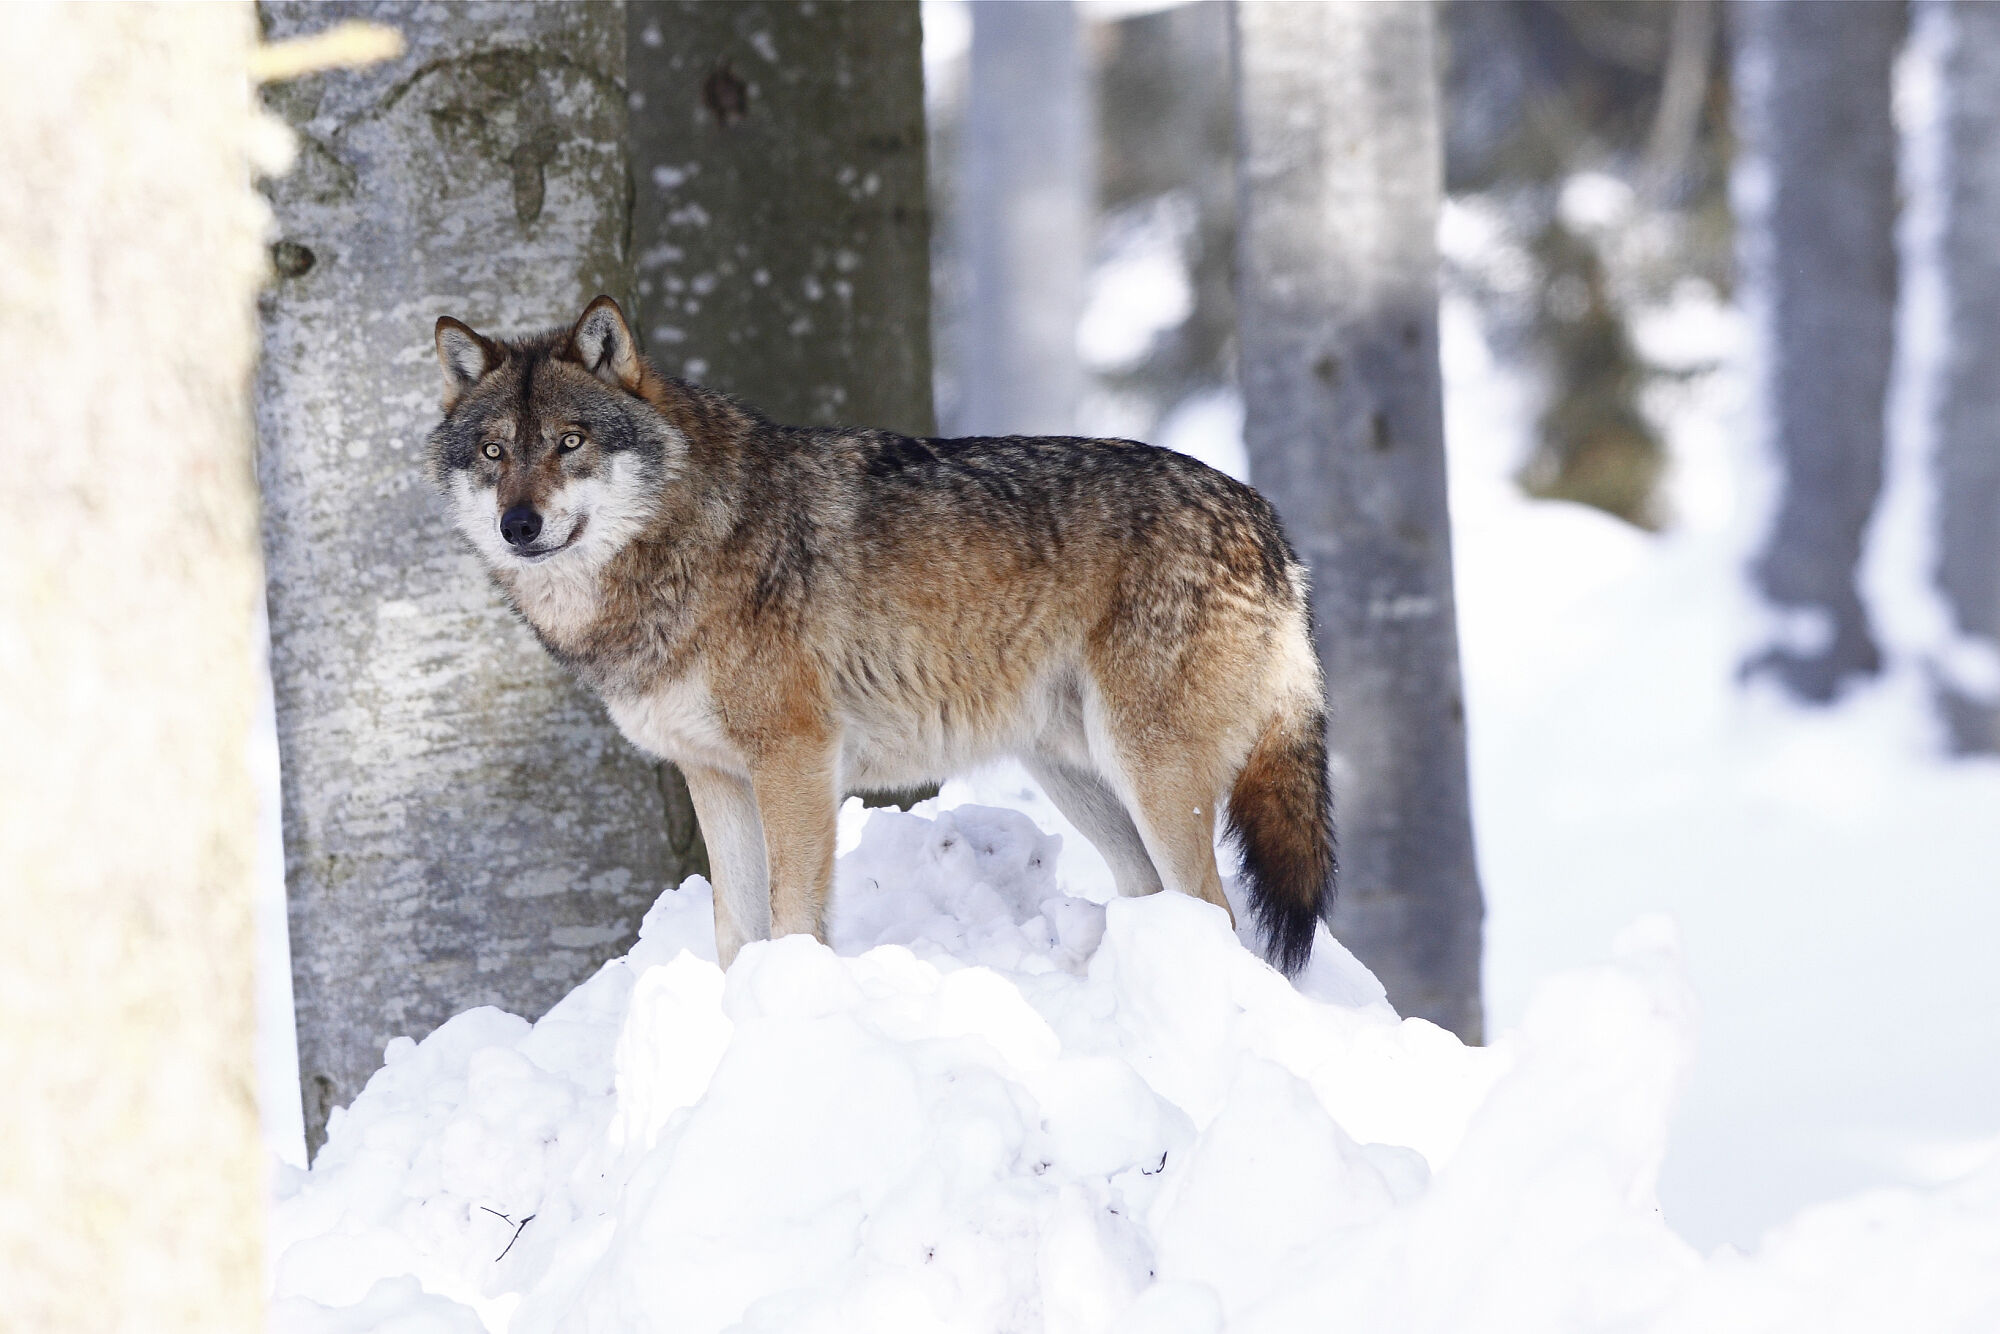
column 1709, row 325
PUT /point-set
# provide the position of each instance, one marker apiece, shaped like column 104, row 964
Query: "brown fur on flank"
column 787, row 613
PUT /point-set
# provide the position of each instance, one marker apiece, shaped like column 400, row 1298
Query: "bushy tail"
column 1281, row 819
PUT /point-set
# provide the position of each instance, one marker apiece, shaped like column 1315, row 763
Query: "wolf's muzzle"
column 520, row 526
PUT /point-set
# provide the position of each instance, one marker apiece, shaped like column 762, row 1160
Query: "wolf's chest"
column 561, row 602
column 677, row 720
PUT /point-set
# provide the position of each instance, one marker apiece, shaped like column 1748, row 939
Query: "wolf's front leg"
column 799, row 803
column 727, row 810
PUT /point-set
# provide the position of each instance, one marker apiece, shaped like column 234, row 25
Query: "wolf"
column 788, row 613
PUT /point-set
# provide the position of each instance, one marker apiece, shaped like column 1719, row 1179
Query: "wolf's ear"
column 465, row 357
column 602, row 344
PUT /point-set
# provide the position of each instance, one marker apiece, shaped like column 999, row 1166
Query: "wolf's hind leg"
column 1095, row 810
column 727, row 810
column 1174, row 809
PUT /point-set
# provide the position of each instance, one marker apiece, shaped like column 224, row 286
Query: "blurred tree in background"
column 1024, row 194
column 1966, row 671
column 1166, row 200
column 1340, row 174
column 1633, row 93
column 1133, row 207
column 1619, row 93
column 1819, row 253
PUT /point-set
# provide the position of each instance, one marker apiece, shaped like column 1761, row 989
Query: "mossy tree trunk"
column 1340, row 176
column 781, row 227
column 130, row 1162
column 463, row 826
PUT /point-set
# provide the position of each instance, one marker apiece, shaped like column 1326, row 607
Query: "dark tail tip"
column 1281, row 820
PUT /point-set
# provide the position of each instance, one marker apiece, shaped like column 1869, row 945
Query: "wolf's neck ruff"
column 785, row 612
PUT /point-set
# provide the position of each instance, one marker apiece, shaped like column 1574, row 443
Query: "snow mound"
column 992, row 1105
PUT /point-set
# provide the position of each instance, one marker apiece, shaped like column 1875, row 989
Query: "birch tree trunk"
column 1026, row 210
column 1967, row 464
column 1818, row 245
column 1340, row 174
column 781, row 225
column 462, row 824
column 129, row 1155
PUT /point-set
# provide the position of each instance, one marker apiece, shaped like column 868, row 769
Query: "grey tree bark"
column 1026, row 208
column 129, row 1156
column 463, row 826
column 781, row 226
column 1817, row 222
column 1340, row 175
column 1967, row 462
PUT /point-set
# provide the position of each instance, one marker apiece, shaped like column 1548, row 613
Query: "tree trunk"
column 129, row 1154
column 1819, row 262
column 1968, row 377
column 462, row 824
column 781, row 225
column 1339, row 182
column 1026, row 211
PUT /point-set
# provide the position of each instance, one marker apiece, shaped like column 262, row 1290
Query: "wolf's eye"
column 572, row 440
column 491, row 450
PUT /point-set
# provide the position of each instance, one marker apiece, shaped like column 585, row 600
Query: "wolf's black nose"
column 520, row 525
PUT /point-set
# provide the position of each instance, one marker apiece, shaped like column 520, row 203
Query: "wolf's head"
column 548, row 452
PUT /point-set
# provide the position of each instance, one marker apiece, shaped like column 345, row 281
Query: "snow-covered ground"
column 1000, row 1102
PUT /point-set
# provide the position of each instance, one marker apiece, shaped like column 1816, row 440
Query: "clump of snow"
column 1595, row 201
column 996, row 1104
